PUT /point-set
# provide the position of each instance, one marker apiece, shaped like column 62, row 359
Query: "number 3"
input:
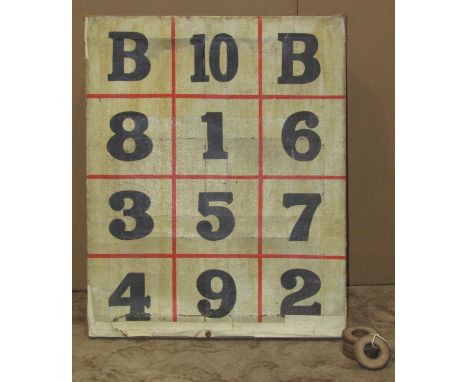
column 143, row 222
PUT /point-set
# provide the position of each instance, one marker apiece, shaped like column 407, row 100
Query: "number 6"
column 290, row 136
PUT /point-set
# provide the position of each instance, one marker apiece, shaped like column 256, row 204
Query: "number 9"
column 227, row 294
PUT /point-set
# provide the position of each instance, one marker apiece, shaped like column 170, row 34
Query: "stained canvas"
column 216, row 176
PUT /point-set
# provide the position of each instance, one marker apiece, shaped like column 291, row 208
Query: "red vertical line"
column 174, row 190
column 260, row 173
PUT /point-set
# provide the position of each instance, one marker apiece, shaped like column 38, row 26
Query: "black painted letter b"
column 311, row 64
column 142, row 63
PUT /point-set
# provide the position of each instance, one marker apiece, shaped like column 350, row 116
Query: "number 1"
column 214, row 128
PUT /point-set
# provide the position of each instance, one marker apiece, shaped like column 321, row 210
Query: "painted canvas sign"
column 216, row 176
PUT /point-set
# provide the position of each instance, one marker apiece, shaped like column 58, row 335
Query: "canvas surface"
column 216, row 176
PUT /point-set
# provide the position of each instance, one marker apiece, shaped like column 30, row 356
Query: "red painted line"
column 155, row 95
column 173, row 57
column 208, row 256
column 217, row 176
column 174, row 288
column 130, row 255
column 174, row 183
column 289, row 96
column 215, row 256
column 129, row 176
column 260, row 56
column 302, row 177
column 215, row 96
column 218, row 96
column 260, row 174
column 310, row 257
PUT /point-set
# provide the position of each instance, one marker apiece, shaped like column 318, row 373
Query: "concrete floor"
column 218, row 360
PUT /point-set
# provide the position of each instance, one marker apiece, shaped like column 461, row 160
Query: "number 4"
column 300, row 231
column 137, row 300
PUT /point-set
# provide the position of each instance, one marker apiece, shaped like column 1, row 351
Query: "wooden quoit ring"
column 348, row 350
column 352, row 333
column 369, row 362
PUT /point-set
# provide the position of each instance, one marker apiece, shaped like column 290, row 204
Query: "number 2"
column 311, row 286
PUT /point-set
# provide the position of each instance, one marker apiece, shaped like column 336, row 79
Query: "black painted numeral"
column 232, row 59
column 214, row 123
column 227, row 294
column 142, row 143
column 137, row 300
column 224, row 215
column 290, row 136
column 311, row 286
column 300, row 231
column 198, row 42
column 143, row 222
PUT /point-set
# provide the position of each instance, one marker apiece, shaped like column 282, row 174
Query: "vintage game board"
column 216, row 160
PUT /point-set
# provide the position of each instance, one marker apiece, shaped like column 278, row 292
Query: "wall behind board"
column 371, row 106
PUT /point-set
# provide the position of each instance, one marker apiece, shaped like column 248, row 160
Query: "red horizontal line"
column 160, row 95
column 291, row 96
column 217, row 96
column 217, row 176
column 163, row 176
column 215, row 256
column 313, row 257
column 208, row 256
column 129, row 176
column 129, row 255
column 298, row 177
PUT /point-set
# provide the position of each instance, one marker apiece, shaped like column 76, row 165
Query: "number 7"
column 300, row 231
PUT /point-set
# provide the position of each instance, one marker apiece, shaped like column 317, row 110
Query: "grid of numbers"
column 250, row 169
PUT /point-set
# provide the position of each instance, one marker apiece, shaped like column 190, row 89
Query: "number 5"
column 224, row 215
column 300, row 231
